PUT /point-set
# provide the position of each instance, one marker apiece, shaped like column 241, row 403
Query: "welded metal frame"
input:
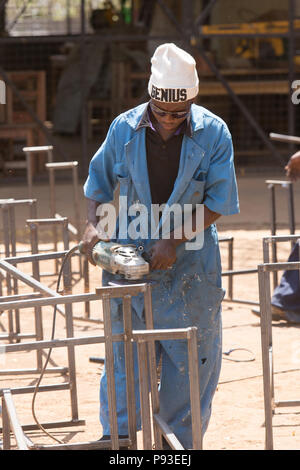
column 272, row 185
column 8, row 265
column 30, row 153
column 145, row 340
column 7, row 206
column 230, row 273
column 264, row 271
column 72, row 166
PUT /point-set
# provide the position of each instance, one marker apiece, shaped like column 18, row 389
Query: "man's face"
column 170, row 122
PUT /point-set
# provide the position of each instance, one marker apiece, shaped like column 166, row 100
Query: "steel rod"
column 168, row 433
column 129, row 367
column 14, row 422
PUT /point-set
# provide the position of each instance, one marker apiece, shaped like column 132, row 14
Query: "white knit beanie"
column 174, row 76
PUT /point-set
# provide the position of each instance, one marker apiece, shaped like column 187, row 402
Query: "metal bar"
column 279, row 182
column 29, row 280
column 159, row 335
column 44, row 301
column 92, row 445
column 49, row 221
column 281, row 238
column 273, row 230
column 38, row 321
column 109, row 364
column 291, row 209
column 168, row 433
column 41, row 148
column 121, row 38
column 53, row 370
column 194, row 388
column 6, row 234
column 284, row 138
column 16, row 336
column 30, row 389
column 62, row 424
column 59, row 343
column 152, row 366
column 70, row 334
column 6, row 426
column 12, row 228
column 61, row 165
column 241, row 271
column 265, row 344
column 129, row 367
column 83, row 88
column 230, row 268
column 14, row 422
column 53, row 208
column 11, row 298
column 144, row 394
column 288, row 266
column 38, row 256
column 113, row 292
column 242, row 301
column 283, row 404
column 204, row 14
column 76, row 201
column 15, row 202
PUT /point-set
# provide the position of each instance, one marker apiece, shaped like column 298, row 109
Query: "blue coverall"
column 188, row 294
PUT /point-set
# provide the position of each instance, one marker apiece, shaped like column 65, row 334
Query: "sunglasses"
column 174, row 115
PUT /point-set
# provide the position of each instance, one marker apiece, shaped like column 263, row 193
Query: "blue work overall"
column 188, row 294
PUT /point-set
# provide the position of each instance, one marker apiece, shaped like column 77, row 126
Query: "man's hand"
column 91, row 234
column 293, row 167
column 162, row 254
column 89, row 239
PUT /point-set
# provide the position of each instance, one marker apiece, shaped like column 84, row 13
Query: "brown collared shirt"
column 163, row 157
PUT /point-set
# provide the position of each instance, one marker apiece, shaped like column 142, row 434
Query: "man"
column 169, row 151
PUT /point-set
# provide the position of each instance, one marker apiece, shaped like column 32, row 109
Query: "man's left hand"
column 162, row 254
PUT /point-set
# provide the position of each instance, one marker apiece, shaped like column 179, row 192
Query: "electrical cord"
column 227, row 353
column 65, row 259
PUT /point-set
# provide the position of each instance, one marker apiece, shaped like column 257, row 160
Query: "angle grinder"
column 126, row 260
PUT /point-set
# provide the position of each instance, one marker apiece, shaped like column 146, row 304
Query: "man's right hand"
column 89, row 239
column 91, row 234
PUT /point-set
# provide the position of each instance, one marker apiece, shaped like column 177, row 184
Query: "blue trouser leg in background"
column 287, row 294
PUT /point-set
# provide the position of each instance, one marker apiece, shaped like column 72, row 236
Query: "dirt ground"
column 237, row 420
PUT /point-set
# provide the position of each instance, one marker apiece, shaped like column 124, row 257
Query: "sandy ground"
column 237, row 420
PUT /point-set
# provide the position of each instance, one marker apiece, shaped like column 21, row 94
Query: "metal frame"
column 76, row 231
column 230, row 273
column 288, row 185
column 7, row 265
column 147, row 372
column 33, row 152
column 52, row 167
column 34, row 224
column 7, row 207
column 264, row 271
